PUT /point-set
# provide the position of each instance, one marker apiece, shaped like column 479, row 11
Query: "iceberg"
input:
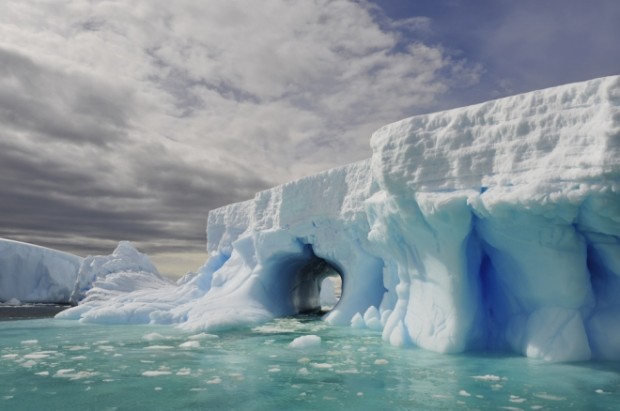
column 494, row 226
column 126, row 277
column 125, row 258
column 34, row 274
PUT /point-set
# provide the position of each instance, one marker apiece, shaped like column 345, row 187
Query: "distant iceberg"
column 33, row 274
column 494, row 226
column 124, row 259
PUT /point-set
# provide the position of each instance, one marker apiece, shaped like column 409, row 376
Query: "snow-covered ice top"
column 559, row 135
column 493, row 226
column 34, row 274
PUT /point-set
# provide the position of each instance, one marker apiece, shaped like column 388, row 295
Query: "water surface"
column 54, row 365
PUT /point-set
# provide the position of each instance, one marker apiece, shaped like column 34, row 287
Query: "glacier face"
column 494, row 226
column 33, row 274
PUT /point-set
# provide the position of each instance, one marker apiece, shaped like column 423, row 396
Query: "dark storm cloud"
column 69, row 172
column 42, row 198
column 166, row 199
column 49, row 104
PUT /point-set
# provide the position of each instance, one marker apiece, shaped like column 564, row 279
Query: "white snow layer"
column 33, row 274
column 493, row 226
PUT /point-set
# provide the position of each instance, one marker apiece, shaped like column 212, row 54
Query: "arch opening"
column 309, row 291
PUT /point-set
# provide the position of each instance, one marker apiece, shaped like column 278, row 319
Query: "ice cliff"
column 494, row 226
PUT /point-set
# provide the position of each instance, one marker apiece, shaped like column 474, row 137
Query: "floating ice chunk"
column 72, row 374
column 348, row 371
column 487, row 377
column 203, row 336
column 36, row 356
column 77, row 347
column 322, row 365
column 306, row 342
column 516, row 399
column 381, row 361
column 190, row 344
column 155, row 373
column 550, row 397
column 358, row 321
column 158, row 347
column 372, row 318
column 153, row 337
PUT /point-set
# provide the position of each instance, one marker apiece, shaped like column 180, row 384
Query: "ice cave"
column 494, row 226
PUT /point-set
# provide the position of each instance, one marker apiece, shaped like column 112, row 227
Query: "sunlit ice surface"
column 54, row 364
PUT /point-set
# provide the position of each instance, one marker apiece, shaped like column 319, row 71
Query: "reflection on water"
column 51, row 364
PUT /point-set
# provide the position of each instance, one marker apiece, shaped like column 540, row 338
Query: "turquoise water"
column 56, row 365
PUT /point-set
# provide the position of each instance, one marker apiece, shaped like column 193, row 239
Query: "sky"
column 130, row 120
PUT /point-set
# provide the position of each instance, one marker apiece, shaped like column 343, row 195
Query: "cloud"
column 48, row 103
column 132, row 120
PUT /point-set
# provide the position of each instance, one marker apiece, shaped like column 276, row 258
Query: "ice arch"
column 261, row 241
column 273, row 273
